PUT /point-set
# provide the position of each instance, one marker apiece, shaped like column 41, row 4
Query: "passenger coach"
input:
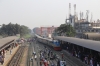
column 55, row 44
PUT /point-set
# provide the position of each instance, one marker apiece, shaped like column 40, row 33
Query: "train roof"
column 4, row 42
column 55, row 40
column 47, row 39
column 94, row 45
column 38, row 36
column 43, row 38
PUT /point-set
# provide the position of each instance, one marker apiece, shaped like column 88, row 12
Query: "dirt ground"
column 24, row 58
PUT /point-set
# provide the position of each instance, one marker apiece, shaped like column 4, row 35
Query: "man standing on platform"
column 2, row 59
column 10, row 51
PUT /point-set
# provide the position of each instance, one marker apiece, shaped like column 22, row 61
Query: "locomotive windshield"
column 56, row 42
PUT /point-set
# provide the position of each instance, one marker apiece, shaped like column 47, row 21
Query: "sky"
column 37, row 13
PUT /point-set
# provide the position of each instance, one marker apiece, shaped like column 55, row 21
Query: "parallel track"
column 16, row 59
column 29, row 55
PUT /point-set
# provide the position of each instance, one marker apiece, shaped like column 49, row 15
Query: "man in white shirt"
column 35, row 57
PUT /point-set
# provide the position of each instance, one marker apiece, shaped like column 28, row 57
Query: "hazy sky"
column 36, row 13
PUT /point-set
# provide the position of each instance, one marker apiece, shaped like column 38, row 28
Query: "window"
column 96, row 30
column 92, row 30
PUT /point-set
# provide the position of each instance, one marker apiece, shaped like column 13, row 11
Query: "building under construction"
column 84, row 26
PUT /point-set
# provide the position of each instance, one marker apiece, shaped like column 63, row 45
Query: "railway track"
column 16, row 59
column 32, row 47
column 29, row 55
column 36, row 49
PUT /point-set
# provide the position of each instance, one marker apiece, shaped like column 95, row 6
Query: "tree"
column 64, row 29
column 24, row 30
column 13, row 29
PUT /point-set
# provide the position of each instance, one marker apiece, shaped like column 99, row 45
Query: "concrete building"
column 37, row 30
column 84, row 27
column 44, row 31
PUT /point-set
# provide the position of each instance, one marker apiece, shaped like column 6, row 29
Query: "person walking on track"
column 62, row 55
column 48, row 62
column 35, row 57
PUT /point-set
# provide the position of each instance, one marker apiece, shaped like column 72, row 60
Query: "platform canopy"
column 5, row 41
column 90, row 44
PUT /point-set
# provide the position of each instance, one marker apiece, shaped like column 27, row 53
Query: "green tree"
column 64, row 29
column 13, row 29
column 24, row 30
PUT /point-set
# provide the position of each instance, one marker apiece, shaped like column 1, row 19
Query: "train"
column 55, row 44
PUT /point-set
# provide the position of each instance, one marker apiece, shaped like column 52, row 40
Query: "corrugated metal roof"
column 3, row 41
column 94, row 45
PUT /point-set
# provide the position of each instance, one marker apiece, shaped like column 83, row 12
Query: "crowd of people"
column 90, row 59
column 87, row 58
column 47, row 57
column 4, row 51
column 2, row 56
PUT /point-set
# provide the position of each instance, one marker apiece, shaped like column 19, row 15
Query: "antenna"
column 87, row 16
column 69, row 9
column 74, row 9
column 77, row 16
column 80, row 15
column 91, row 17
column 66, row 20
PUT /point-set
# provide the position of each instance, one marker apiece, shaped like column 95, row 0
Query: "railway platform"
column 8, row 56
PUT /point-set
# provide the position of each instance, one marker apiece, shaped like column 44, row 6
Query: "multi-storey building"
column 37, row 30
column 45, row 31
